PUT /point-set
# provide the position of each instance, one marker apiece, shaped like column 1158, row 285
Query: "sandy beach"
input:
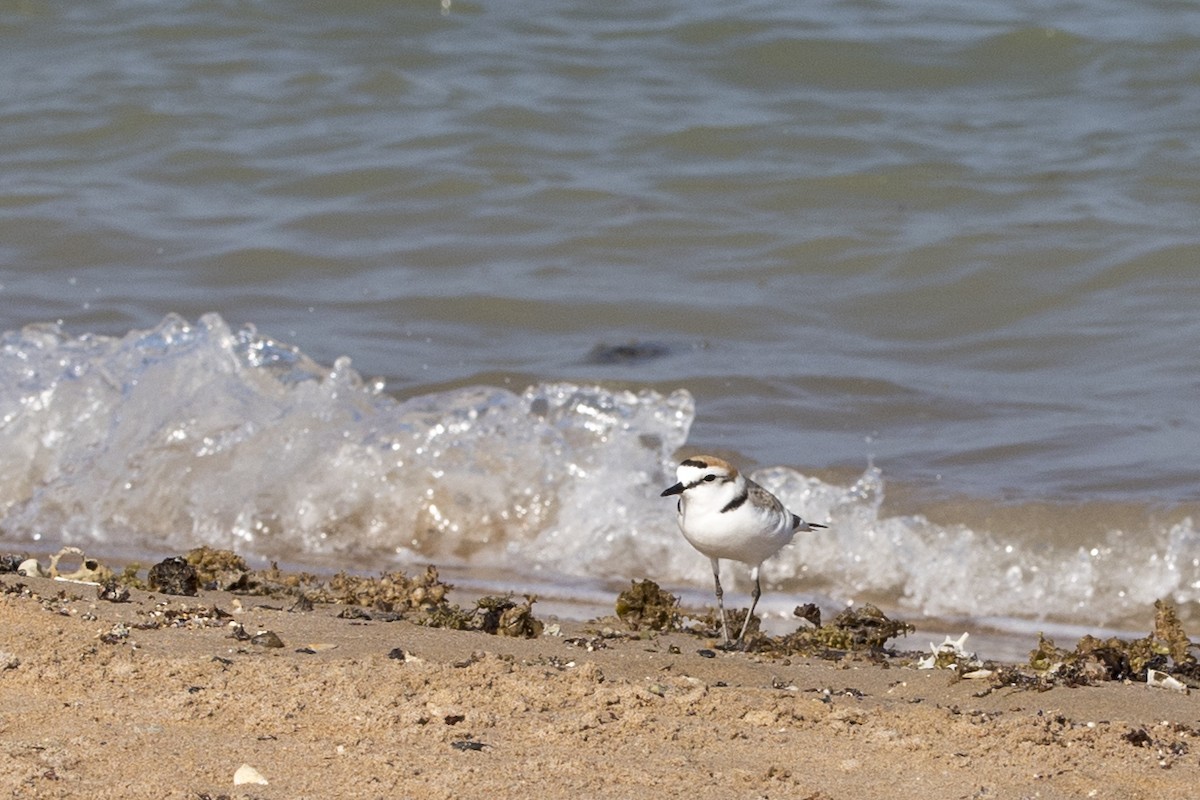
column 163, row 696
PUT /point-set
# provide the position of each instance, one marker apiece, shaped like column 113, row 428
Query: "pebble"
column 266, row 639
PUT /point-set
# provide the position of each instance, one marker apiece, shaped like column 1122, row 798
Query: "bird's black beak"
column 676, row 489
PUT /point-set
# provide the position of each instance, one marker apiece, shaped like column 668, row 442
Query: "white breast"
column 748, row 534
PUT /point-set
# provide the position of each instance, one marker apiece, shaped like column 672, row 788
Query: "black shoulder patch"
column 736, row 502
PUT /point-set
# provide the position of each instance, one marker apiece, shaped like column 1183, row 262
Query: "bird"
column 724, row 514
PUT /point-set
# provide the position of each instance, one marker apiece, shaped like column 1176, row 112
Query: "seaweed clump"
column 390, row 592
column 219, row 569
column 502, row 616
column 11, row 562
column 1167, row 649
column 1168, row 630
column 223, row 570
column 208, row 567
column 389, row 596
column 854, row 629
column 645, row 605
column 506, row 617
column 392, row 595
column 174, row 576
column 859, row 629
column 422, row 600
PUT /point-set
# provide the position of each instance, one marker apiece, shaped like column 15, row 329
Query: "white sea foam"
column 954, row 571
column 192, row 434
column 196, row 433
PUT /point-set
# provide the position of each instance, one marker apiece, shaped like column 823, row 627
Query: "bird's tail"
column 800, row 525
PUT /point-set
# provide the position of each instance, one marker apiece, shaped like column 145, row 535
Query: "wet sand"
column 92, row 705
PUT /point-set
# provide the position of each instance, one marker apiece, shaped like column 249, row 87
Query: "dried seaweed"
column 859, row 629
column 645, row 605
column 174, row 576
column 1166, row 649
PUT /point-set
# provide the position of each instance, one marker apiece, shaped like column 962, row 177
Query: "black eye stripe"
column 705, row 479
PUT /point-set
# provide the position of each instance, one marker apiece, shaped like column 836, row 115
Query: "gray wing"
column 761, row 497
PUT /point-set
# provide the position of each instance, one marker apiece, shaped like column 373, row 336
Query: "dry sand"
column 92, row 706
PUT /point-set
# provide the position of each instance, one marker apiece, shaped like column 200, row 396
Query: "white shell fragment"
column 90, row 570
column 951, row 654
column 248, row 774
column 30, row 568
column 1161, row 680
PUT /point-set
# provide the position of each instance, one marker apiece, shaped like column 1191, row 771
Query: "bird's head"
column 705, row 476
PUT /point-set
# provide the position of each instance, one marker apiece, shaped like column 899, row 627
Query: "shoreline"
column 162, row 696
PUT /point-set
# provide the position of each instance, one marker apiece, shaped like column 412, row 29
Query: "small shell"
column 978, row 674
column 952, row 654
column 248, row 774
column 30, row 568
column 90, row 570
column 1161, row 680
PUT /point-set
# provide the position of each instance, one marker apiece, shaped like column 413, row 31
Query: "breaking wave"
column 190, row 434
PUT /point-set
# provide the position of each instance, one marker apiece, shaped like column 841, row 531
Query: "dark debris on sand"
column 645, row 605
column 1164, row 657
column 421, row 599
column 173, row 576
column 1166, row 650
column 502, row 616
column 856, row 630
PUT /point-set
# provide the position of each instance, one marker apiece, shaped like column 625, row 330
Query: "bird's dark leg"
column 716, row 565
column 753, row 603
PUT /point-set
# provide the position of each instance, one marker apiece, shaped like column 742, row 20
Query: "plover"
column 724, row 514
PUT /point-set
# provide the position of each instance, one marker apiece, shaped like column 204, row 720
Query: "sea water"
column 377, row 284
